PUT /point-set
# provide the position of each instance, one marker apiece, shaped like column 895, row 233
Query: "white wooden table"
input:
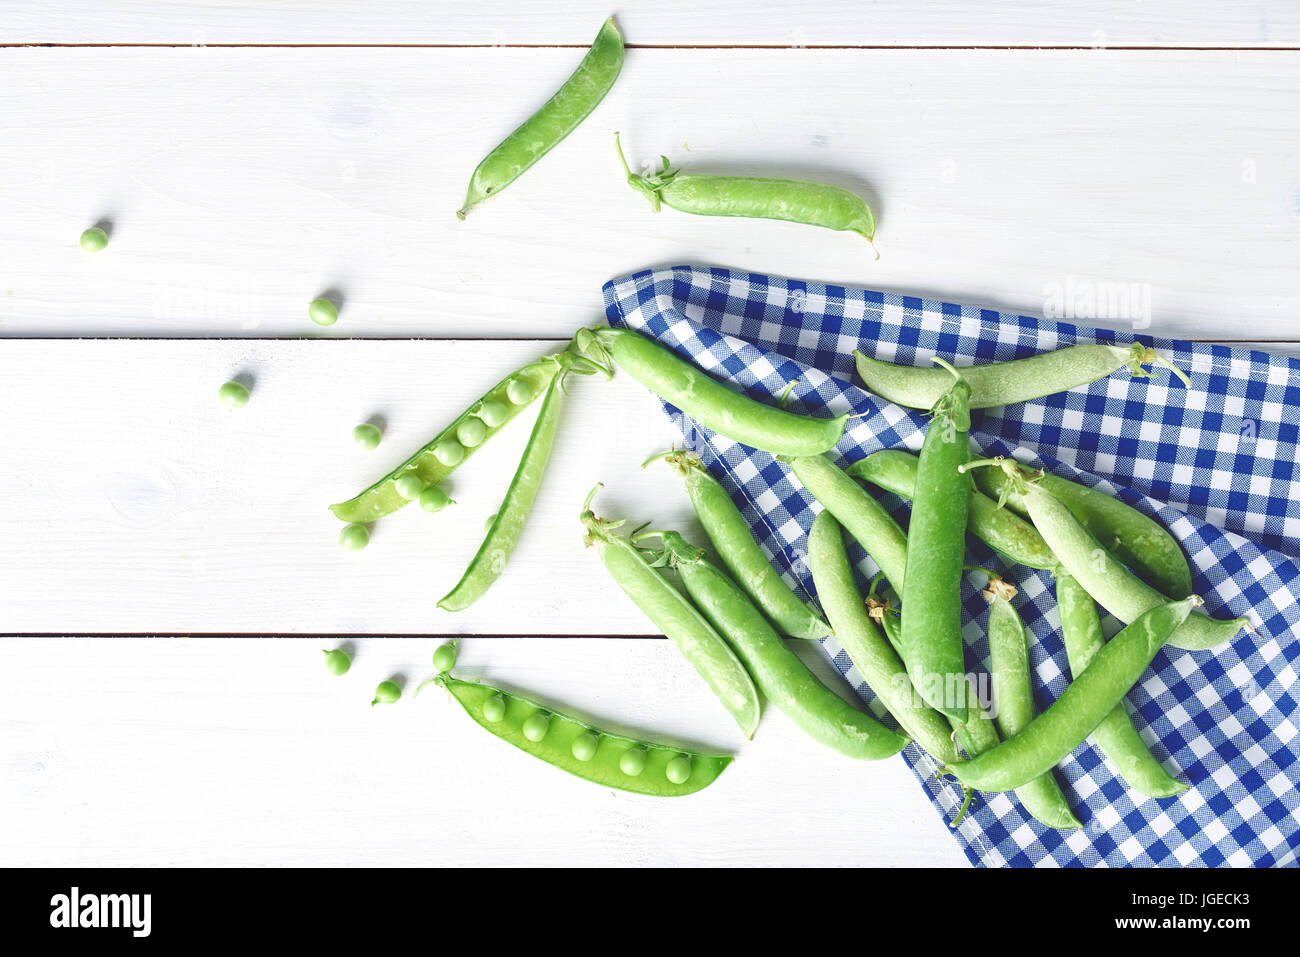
column 251, row 156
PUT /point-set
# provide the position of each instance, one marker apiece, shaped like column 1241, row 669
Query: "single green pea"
column 536, row 726
column 386, row 692
column 366, row 435
column 519, row 392
column 584, row 746
column 323, row 312
column 449, row 452
column 471, row 432
column 632, row 761
column 679, row 769
column 354, row 537
column 337, row 661
column 233, row 395
column 94, row 239
column 444, row 657
column 494, row 709
column 434, row 499
column 409, row 486
column 493, row 413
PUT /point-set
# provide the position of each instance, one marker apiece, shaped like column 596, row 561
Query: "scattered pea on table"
column 434, row 499
column 354, row 537
column 367, row 436
column 444, row 657
column 233, row 395
column 387, row 692
column 94, row 239
column 323, row 312
column 337, row 661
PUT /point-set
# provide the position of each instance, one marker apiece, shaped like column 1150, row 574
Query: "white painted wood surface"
column 241, row 182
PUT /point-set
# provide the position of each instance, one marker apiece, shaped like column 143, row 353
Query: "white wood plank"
column 243, row 182
column 883, row 23
column 139, row 752
column 138, row 503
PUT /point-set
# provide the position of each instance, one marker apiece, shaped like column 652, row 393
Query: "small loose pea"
column 519, row 392
column 409, row 486
column 444, row 657
column 434, row 499
column 494, row 708
column 449, row 452
column 387, row 692
column 584, row 746
column 323, row 312
column 471, row 432
column 233, row 395
column 94, row 239
column 354, row 537
column 337, row 661
column 679, row 769
column 632, row 761
column 493, row 413
column 367, row 436
column 535, row 726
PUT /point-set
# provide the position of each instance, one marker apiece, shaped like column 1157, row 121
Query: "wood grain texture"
column 139, row 752
column 243, row 182
column 671, row 22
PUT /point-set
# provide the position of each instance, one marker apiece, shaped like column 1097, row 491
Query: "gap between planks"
column 879, row 47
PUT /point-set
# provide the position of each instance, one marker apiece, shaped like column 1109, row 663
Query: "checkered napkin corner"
column 1216, row 464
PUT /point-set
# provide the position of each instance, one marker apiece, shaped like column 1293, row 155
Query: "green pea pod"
column 607, row 759
column 1002, row 383
column 1047, row 740
column 936, row 548
column 677, row 618
column 433, row 464
column 1139, row 541
column 735, row 545
column 1110, row 584
column 895, row 471
column 508, row 523
column 1014, row 693
column 777, row 671
column 869, row 651
column 1115, row 737
column 861, row 515
column 714, row 405
column 560, row 116
column 754, row 197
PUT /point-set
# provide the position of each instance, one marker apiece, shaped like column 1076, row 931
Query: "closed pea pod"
column 754, row 197
column 559, row 117
column 676, row 617
column 714, row 405
column 936, row 545
column 867, row 648
column 1052, row 735
column 777, row 671
column 735, row 545
column 1014, row 693
column 1136, row 539
column 895, row 471
column 1115, row 737
column 608, row 759
column 1002, row 383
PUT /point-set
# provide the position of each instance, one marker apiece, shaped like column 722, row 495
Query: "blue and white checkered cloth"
column 1218, row 465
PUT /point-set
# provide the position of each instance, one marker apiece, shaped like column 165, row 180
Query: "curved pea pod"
column 507, row 524
column 615, row 761
column 895, row 471
column 1002, row 383
column 1014, row 693
column 679, row 620
column 560, row 116
column 1115, row 737
column 1139, row 541
column 1049, row 738
column 433, row 463
column 861, row 515
column 714, row 405
column 866, row 647
column 1110, row 584
column 782, row 678
column 744, row 558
